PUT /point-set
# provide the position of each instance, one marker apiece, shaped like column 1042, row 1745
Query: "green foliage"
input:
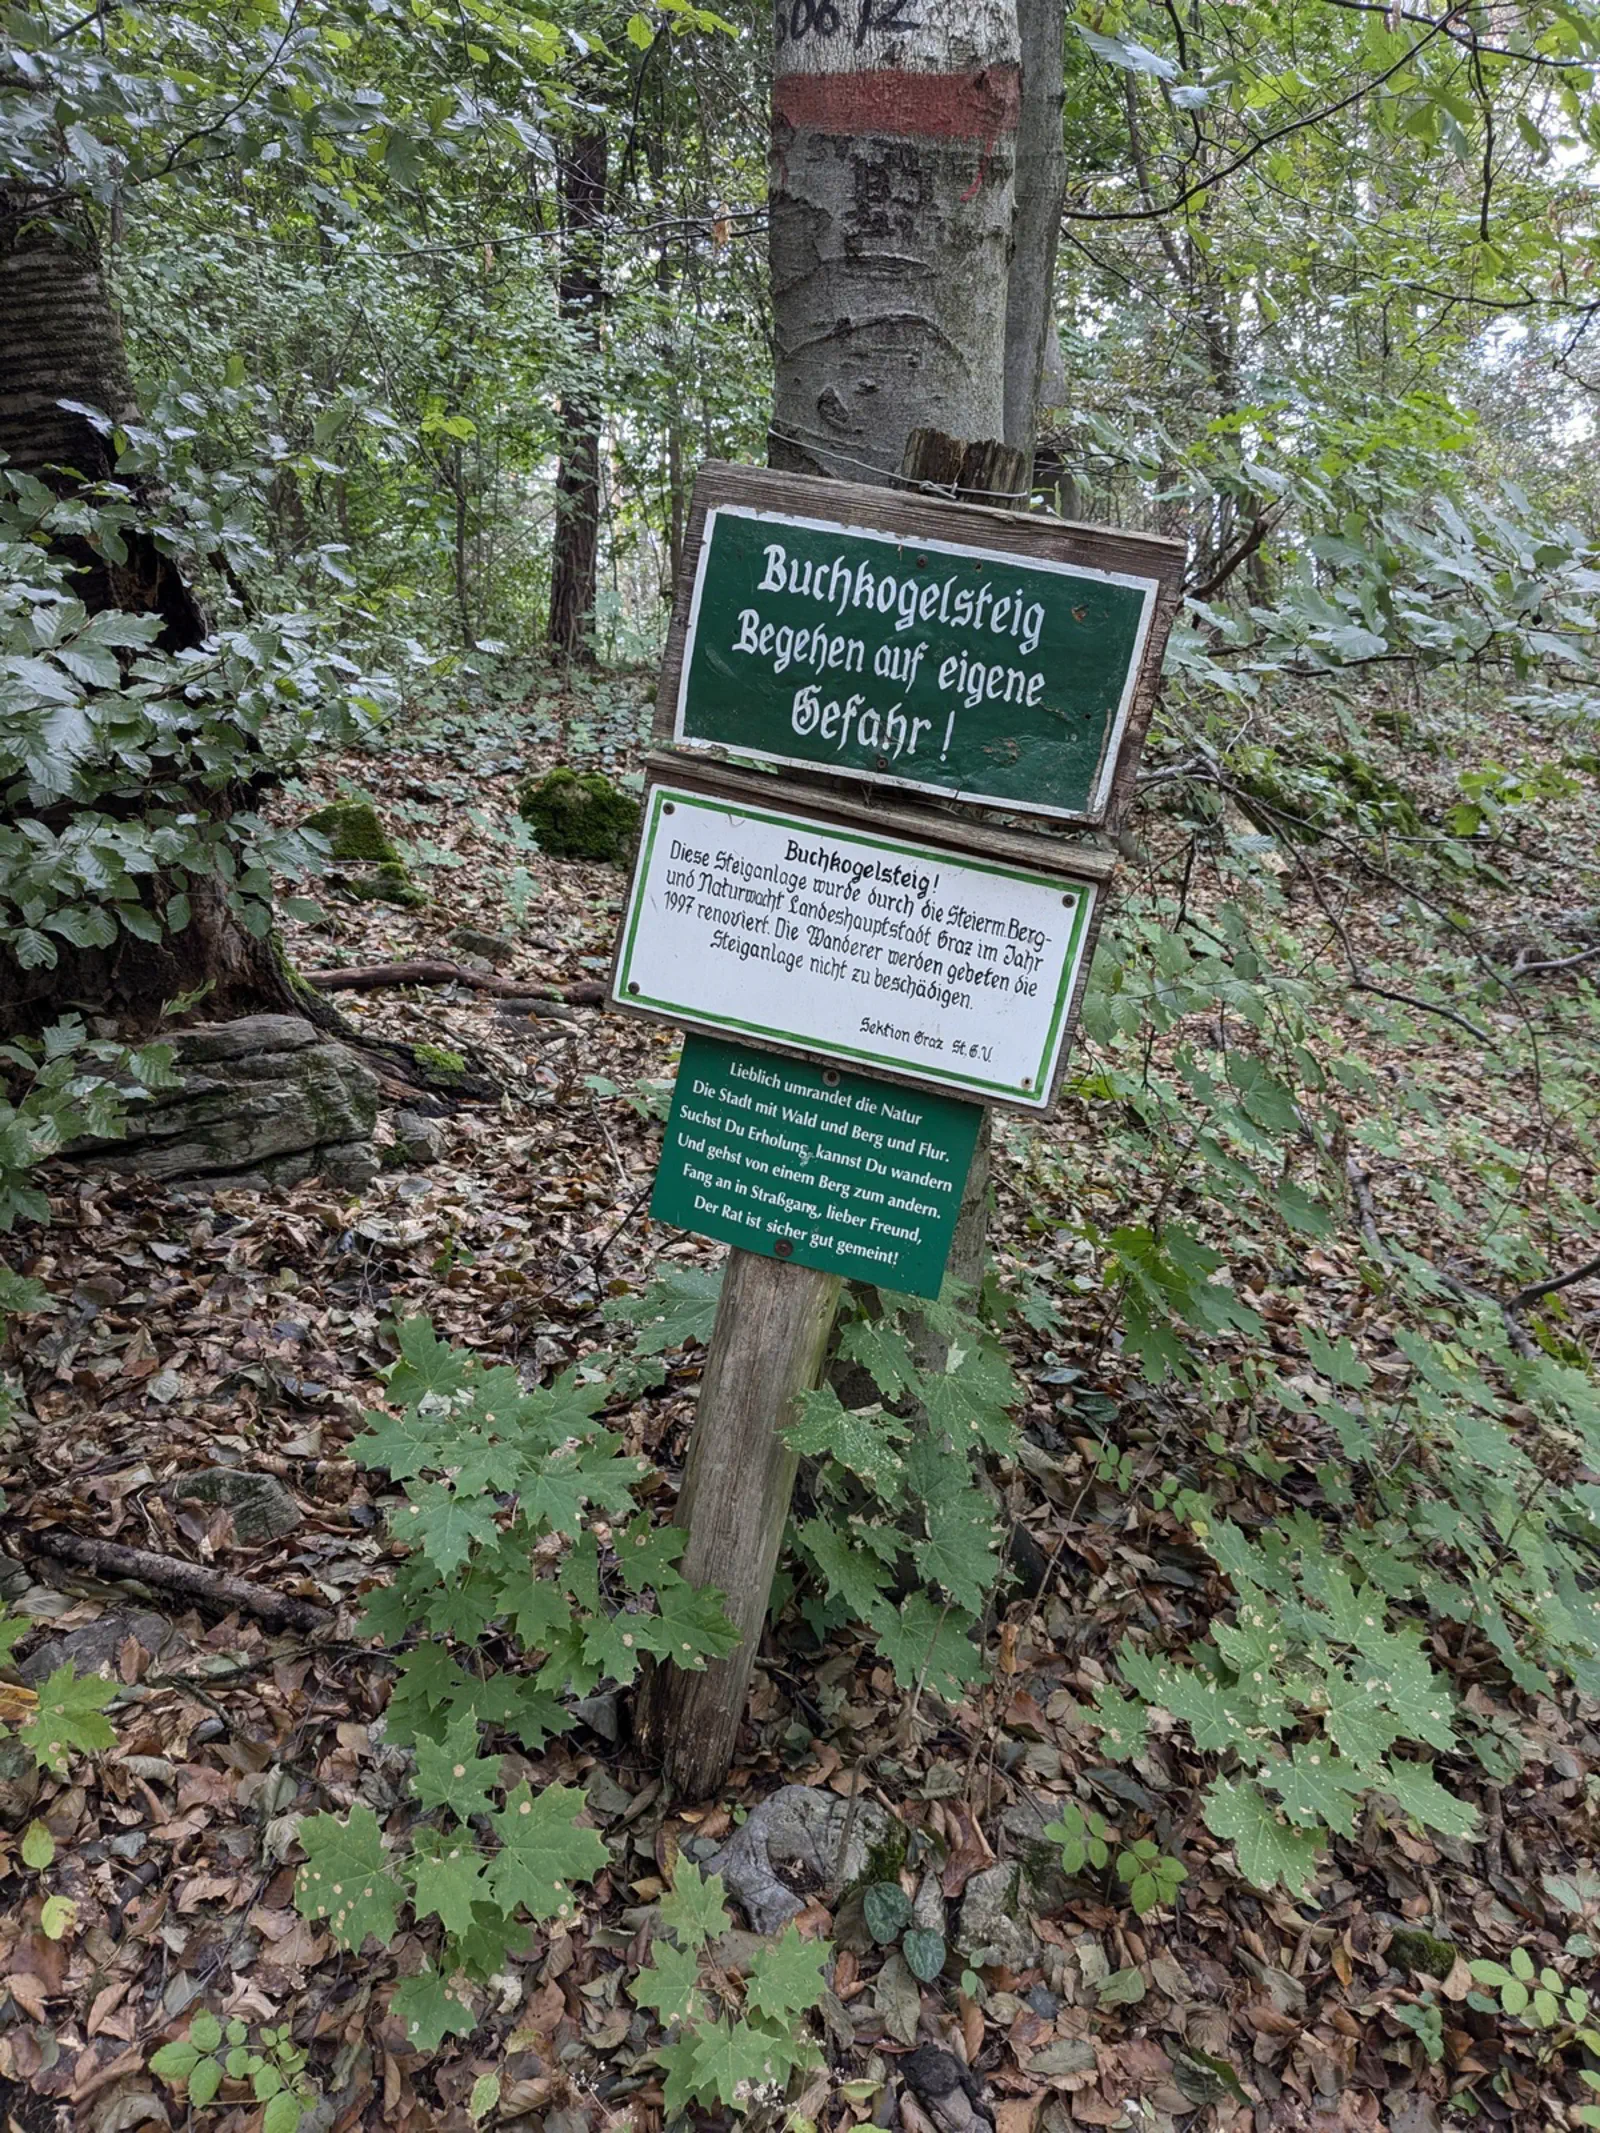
column 500, row 1492
column 273, row 2066
column 1151, row 1876
column 902, row 1535
column 721, row 2050
column 580, row 814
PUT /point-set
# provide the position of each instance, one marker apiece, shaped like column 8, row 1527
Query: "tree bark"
column 574, row 560
column 1041, row 182
column 893, row 146
column 60, row 341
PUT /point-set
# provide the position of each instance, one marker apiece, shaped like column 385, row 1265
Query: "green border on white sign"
column 630, row 992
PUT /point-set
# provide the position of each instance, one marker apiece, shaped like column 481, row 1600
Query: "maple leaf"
column 694, row 1907
column 433, row 2008
column 346, row 1879
column 972, row 1398
column 786, row 1976
column 670, row 1984
column 1217, row 1717
column 647, row 1552
column 445, row 1526
column 446, row 1881
column 849, row 1571
column 732, row 2058
column 70, row 1714
column 541, row 1847
column 861, row 1439
column 958, row 1552
column 427, row 1364
column 928, row 1644
column 1267, row 1849
column 451, row 1773
column 612, row 1644
column 1425, row 1800
column 691, row 1625
column 524, row 1708
column 1359, row 1725
column 535, row 1607
column 1316, row 1787
column 883, row 1353
column 405, row 1444
column 578, row 1475
column 678, row 1308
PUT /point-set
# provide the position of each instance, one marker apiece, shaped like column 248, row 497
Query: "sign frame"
column 1044, row 860
column 949, row 529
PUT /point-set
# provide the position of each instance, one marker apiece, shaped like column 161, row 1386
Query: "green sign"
column 815, row 1165
column 984, row 675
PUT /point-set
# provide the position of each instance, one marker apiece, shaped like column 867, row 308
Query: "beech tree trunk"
column 574, row 560
column 1036, row 228
column 60, row 341
column 894, row 130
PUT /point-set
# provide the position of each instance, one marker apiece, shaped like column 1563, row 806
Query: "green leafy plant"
column 1152, row 1877
column 889, row 1916
column 732, row 2042
column 517, row 1564
column 902, row 1535
column 272, row 2066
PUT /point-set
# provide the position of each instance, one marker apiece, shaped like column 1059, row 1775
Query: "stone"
column 991, row 1929
column 1413, row 1948
column 1023, row 1826
column 262, row 1101
column 418, row 1141
column 493, row 947
column 261, row 1507
column 798, row 1830
column 354, row 831
column 97, row 1647
column 19, row 1781
column 580, row 815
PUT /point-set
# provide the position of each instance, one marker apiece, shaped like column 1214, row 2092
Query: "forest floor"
column 191, row 1326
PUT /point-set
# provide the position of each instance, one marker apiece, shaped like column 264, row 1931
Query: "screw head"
column 667, row 808
column 880, row 762
column 783, row 1248
column 830, row 1077
column 633, row 985
column 1026, row 1082
column 1069, row 901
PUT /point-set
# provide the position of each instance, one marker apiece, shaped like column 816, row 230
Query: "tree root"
column 379, row 977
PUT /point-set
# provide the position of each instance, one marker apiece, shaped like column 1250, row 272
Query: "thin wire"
column 951, row 490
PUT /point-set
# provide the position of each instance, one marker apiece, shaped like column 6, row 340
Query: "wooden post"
column 768, row 1345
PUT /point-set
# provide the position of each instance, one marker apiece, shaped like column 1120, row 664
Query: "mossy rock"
column 580, row 815
column 353, row 830
column 1412, row 1948
column 386, row 884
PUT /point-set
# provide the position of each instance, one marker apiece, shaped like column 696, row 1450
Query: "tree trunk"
column 60, row 341
column 574, row 560
column 893, row 147
column 1041, row 183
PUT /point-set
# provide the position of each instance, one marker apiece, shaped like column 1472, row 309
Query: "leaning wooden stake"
column 768, row 1346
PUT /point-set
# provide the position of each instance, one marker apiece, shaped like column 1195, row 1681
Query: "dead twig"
column 172, row 1574
column 1532, row 1294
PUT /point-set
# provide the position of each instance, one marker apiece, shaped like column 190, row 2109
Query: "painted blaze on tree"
column 893, row 146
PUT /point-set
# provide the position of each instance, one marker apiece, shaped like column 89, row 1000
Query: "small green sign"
column 815, row 1165
column 973, row 672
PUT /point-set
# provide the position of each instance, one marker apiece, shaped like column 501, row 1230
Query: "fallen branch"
column 1428, row 1007
column 1527, row 1296
column 170, row 1573
column 379, row 977
column 1520, row 969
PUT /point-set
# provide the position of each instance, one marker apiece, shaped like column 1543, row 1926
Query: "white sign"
column 853, row 946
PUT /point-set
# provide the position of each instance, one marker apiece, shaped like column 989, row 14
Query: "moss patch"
column 353, row 830
column 580, row 815
column 387, row 884
column 438, row 1060
column 1411, row 1948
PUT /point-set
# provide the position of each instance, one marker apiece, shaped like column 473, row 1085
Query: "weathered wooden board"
column 998, row 658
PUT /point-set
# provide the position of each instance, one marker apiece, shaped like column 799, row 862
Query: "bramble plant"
column 516, row 1566
column 730, row 2043
column 274, row 2067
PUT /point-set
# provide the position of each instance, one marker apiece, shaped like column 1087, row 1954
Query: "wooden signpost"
column 869, row 884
